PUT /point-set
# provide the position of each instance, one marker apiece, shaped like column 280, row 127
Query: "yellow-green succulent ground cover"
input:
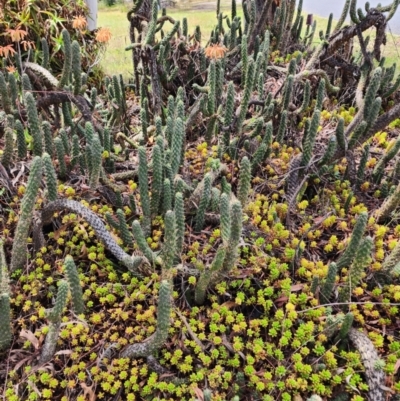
column 264, row 331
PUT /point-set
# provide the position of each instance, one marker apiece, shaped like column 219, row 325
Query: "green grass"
column 118, row 61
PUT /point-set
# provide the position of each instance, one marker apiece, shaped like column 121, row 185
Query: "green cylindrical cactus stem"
column 236, row 232
column 244, row 58
column 282, row 127
column 19, row 252
column 356, row 270
column 167, row 195
column 180, row 222
column 259, row 157
column 51, row 177
column 64, row 138
column 8, row 147
column 167, row 168
column 144, row 188
column 184, row 27
column 34, row 126
column 21, row 142
column 329, row 283
column 306, row 98
column 211, row 126
column 346, row 326
column 89, row 132
column 360, row 14
column 5, row 102
column 311, row 136
column 169, row 131
column 26, row 83
column 374, row 111
column 348, row 255
column 76, row 67
column 117, row 90
column 54, row 314
column 393, row 88
column 169, row 248
column 171, row 107
column 144, row 120
column 76, row 149
column 248, row 88
column 260, row 86
column 371, row 91
column 363, row 164
column 320, row 94
column 132, row 204
column 385, row 159
column 64, row 80
column 329, row 26
column 50, row 344
column 390, row 263
column 225, row 186
column 61, row 157
column 288, row 92
column 353, row 12
column 314, row 285
column 67, row 117
column 158, row 339
column 204, row 201
column 140, row 239
column 93, row 97
column 226, row 221
column 244, row 184
column 329, row 151
column 48, row 138
column 229, row 105
column 197, row 34
column 96, row 151
column 393, row 9
column 157, row 184
column 342, row 16
column 123, row 228
column 45, row 53
column 341, row 140
column 5, row 318
column 180, row 108
column 112, row 221
column 74, row 282
column 176, row 146
column 357, row 134
column 13, row 88
column 206, row 276
column 212, row 81
column 389, row 205
column 215, row 199
column 159, row 132
column 233, row 9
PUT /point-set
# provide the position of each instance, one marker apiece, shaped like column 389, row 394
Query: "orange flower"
column 16, row 34
column 11, row 69
column 215, row 51
column 79, row 23
column 103, row 35
column 6, row 50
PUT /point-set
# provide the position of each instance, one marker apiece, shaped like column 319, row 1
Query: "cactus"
column 8, row 147
column 157, row 340
column 169, row 249
column 61, row 157
column 74, row 285
column 389, row 205
column 64, row 80
column 144, row 190
column 248, row 87
column 123, row 227
column 48, row 138
column 357, row 268
column 288, row 92
column 4, row 98
column 156, row 188
column 167, row 195
column 180, row 222
column 51, row 177
column 282, row 127
column 54, row 314
column 329, row 151
column 19, row 253
column 329, row 283
column 5, row 318
column 391, row 152
column 244, row 59
column 212, row 81
column 204, row 201
column 95, row 158
column 140, row 239
column 33, row 122
column 229, row 106
column 311, row 136
column 50, row 344
column 346, row 326
column 176, row 146
column 76, row 67
column 350, row 252
column 244, row 184
column 320, row 94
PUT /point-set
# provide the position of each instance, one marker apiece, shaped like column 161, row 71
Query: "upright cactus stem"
column 144, row 190
column 74, row 285
column 54, row 315
column 64, row 80
column 5, row 318
column 244, row 181
column 19, row 251
column 34, row 126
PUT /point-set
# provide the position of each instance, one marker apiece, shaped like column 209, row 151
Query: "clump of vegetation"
column 228, row 230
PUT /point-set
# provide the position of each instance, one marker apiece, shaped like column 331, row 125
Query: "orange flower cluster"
column 103, row 35
column 215, row 51
column 79, row 23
